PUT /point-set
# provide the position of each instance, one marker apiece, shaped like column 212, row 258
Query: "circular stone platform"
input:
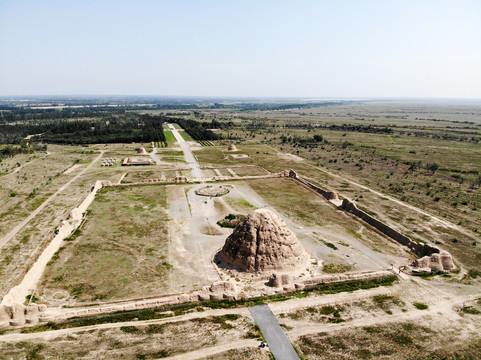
column 212, row 191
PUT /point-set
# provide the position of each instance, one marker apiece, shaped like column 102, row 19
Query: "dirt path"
column 28, row 285
column 34, row 213
column 28, row 163
column 154, row 155
column 47, row 335
column 443, row 300
column 213, row 350
column 446, row 309
column 414, row 208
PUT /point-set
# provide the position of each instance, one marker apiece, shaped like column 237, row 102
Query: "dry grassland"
column 121, row 251
column 144, row 341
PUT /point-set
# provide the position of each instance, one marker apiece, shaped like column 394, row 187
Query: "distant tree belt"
column 14, row 114
column 346, row 127
column 140, row 128
column 196, row 129
column 24, row 148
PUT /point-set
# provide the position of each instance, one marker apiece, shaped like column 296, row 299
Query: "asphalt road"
column 278, row 343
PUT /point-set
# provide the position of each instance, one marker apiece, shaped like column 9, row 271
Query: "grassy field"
column 401, row 341
column 155, row 173
column 185, row 135
column 121, row 251
column 169, row 137
column 173, row 156
column 306, row 208
column 37, row 177
column 394, row 164
column 250, row 171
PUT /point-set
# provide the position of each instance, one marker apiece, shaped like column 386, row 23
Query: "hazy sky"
column 357, row 48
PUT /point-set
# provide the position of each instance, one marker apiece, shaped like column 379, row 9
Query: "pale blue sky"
column 242, row 48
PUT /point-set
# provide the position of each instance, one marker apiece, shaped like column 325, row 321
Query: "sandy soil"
column 72, row 169
column 295, row 158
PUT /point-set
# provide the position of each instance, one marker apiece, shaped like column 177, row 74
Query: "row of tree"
column 198, row 130
column 14, row 114
column 135, row 128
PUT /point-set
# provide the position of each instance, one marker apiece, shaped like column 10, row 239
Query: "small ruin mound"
column 210, row 229
column 263, row 243
column 437, row 262
column 232, row 147
column 279, row 280
column 137, row 161
column 141, row 151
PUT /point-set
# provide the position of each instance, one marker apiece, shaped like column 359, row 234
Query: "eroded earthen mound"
column 232, row 147
column 263, row 242
column 435, row 262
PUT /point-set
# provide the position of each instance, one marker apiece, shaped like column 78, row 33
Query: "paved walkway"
column 276, row 339
column 189, row 157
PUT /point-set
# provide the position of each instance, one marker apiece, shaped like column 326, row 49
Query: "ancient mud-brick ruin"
column 437, row 262
column 262, row 243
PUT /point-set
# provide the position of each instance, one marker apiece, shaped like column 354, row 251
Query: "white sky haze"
column 242, row 48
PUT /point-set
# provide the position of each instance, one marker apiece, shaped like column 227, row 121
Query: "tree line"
column 135, row 128
column 25, row 147
column 197, row 130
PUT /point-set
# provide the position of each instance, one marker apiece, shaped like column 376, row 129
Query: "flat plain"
column 412, row 165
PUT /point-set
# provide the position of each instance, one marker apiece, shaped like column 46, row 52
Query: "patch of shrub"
column 420, row 306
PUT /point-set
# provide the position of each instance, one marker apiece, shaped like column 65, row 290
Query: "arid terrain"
column 104, row 259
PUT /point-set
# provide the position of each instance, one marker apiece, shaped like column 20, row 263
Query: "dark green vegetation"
column 110, row 129
column 231, row 221
column 198, row 130
column 420, row 306
column 8, row 151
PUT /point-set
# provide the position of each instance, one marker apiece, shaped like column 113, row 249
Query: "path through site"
column 188, row 155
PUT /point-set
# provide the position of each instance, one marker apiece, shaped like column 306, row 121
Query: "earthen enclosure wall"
column 328, row 195
column 417, row 248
